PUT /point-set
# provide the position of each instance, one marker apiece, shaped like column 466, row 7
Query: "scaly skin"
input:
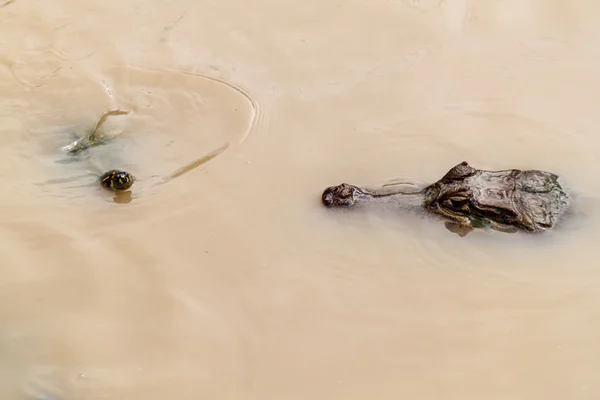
column 507, row 200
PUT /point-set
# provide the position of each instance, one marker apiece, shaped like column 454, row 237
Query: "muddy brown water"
column 232, row 281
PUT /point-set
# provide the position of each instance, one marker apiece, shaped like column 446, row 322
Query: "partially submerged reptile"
column 114, row 179
column 119, row 180
column 507, row 200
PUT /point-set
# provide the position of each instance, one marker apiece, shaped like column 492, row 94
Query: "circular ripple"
column 176, row 122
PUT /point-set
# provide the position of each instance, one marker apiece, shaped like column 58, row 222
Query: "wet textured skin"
column 507, row 200
column 117, row 180
column 114, row 179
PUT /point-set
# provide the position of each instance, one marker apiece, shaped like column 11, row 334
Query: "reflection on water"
column 232, row 281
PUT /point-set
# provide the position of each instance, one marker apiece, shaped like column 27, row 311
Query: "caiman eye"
column 458, row 202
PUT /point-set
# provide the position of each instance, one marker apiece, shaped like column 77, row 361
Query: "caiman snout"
column 327, row 197
column 339, row 196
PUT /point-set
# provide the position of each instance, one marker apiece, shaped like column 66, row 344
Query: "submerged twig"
column 2, row 5
column 104, row 116
column 88, row 140
column 195, row 164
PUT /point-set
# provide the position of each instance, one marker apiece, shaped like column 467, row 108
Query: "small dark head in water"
column 117, row 180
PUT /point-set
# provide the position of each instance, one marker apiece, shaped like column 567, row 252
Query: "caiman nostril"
column 327, row 199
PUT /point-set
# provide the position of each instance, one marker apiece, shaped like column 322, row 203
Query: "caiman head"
column 531, row 200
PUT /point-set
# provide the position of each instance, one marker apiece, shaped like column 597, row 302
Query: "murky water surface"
column 232, row 281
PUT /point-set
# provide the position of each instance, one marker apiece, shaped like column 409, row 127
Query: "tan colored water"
column 231, row 281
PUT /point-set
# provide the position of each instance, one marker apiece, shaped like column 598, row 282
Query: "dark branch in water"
column 195, row 164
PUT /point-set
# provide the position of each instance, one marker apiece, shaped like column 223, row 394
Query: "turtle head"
column 117, row 180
